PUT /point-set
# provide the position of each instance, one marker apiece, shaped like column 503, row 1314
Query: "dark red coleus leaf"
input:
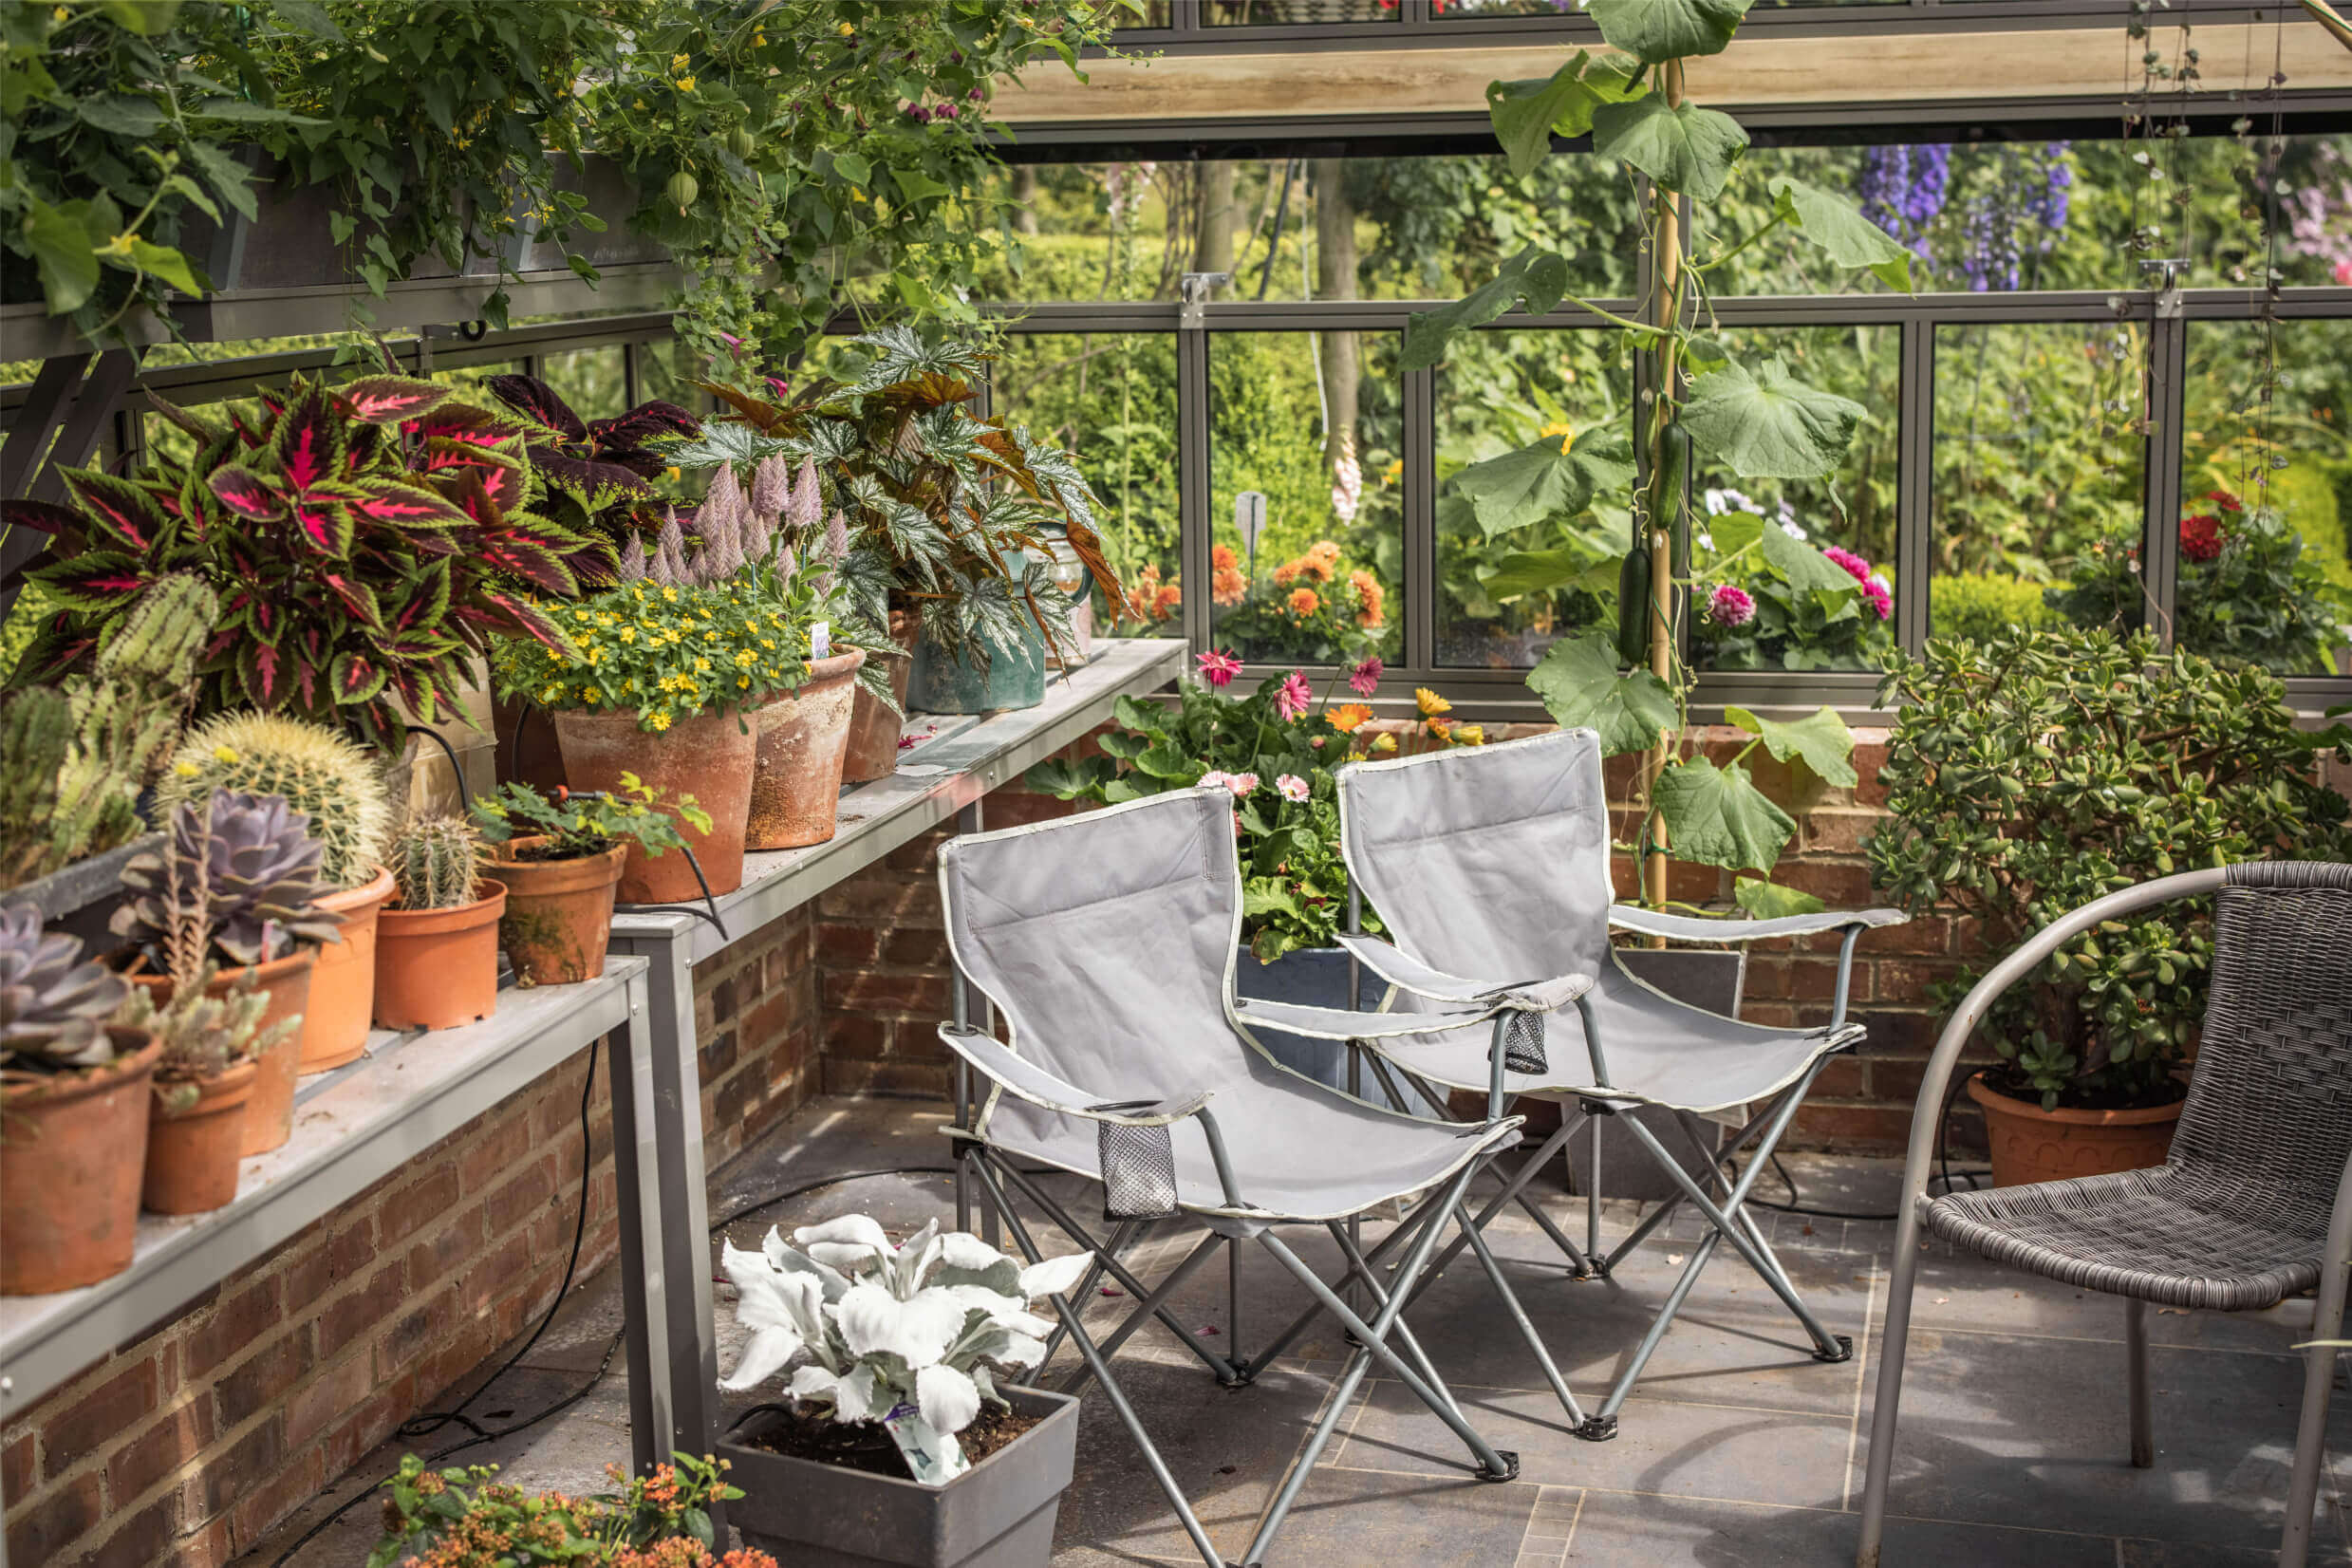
column 459, row 422
column 397, row 503
column 532, row 397
column 41, row 516
column 324, row 526
column 261, row 670
column 246, row 493
column 99, row 580
column 121, row 507
column 379, row 400
column 640, row 425
column 587, row 475
column 308, row 442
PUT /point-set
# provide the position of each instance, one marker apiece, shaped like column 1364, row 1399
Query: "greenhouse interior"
column 986, row 783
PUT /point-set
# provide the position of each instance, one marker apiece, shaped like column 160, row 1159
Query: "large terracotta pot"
column 439, row 968
column 193, row 1149
column 873, row 750
column 70, row 1150
column 2030, row 1145
column 803, row 740
column 269, row 1108
column 709, row 757
column 342, row 985
column 558, row 912
column 528, row 752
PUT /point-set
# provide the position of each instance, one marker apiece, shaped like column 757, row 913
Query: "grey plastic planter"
column 998, row 1514
column 1314, row 977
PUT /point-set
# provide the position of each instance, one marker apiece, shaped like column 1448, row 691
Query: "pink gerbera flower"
column 1241, row 784
column 1364, row 678
column 1855, row 567
column 1293, row 697
column 1218, row 668
column 1730, row 606
column 1291, row 786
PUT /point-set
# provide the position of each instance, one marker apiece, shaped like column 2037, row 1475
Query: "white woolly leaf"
column 917, row 1332
column 1055, row 1275
column 946, row 1398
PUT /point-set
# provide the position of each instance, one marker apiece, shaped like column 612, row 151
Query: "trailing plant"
column 661, row 1519
column 594, row 473
column 54, row 1006
column 366, row 540
column 906, row 1335
column 662, row 652
column 243, row 869
column 2033, row 772
column 1754, row 420
column 73, row 759
column 335, row 784
column 950, row 518
column 577, row 825
column 438, row 862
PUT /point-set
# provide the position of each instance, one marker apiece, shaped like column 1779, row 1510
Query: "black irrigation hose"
column 1943, row 1164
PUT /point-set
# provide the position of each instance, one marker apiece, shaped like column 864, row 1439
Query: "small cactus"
column 54, row 1008
column 320, row 774
column 202, row 1034
column 436, row 860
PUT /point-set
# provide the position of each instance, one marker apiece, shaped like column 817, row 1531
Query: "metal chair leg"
column 2136, row 1375
column 2319, row 1378
column 1894, row 1341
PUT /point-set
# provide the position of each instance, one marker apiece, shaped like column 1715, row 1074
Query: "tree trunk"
column 1024, row 198
column 1335, row 278
column 1212, row 247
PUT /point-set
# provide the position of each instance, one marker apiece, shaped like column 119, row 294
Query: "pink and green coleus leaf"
column 357, row 597
column 122, row 508
column 381, row 399
column 262, row 672
column 246, row 493
column 308, row 442
column 355, row 677
column 97, row 580
column 398, row 503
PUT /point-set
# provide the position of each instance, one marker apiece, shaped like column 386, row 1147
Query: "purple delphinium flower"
column 1903, row 190
column 1730, row 606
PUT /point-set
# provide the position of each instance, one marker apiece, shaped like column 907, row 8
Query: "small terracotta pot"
column 873, row 750
column 192, row 1153
column 2030, row 1144
column 439, row 968
column 709, row 757
column 803, row 740
column 342, row 985
column 558, row 912
column 70, row 1147
column 269, row 1108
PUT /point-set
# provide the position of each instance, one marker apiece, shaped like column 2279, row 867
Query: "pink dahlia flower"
column 1881, row 593
column 1730, row 606
column 1855, row 567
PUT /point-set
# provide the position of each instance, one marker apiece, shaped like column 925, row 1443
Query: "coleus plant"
column 951, row 516
column 594, row 473
column 365, row 541
column 1756, row 420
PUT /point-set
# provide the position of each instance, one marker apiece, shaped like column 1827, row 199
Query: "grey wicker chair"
column 2254, row 1203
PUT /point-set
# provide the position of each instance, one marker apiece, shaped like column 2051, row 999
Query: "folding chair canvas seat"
column 1489, row 867
column 1107, row 941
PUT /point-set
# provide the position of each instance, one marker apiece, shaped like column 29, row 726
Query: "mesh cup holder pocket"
column 1522, row 1044
column 1139, row 1166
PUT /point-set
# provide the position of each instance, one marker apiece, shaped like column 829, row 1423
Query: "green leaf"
column 1766, row 424
column 1540, row 482
column 1066, row 780
column 853, row 168
column 1524, row 571
column 62, row 250
column 1733, row 532
column 1768, row 900
column 1527, row 115
column 145, row 17
column 1268, row 897
column 311, row 17
column 1718, row 817
column 1804, row 567
column 164, row 262
column 1539, row 278
column 1655, row 31
column 914, row 186
column 1839, row 228
column 1578, row 683
column 1821, row 739
column 120, row 115
column 1689, row 149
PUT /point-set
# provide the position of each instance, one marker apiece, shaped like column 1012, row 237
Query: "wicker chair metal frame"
column 2254, row 1202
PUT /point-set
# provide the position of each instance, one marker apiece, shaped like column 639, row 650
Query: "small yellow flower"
column 186, row 770
column 628, row 634
column 661, row 722
column 1386, row 743
column 670, row 593
column 701, row 666
column 1566, row 432
column 60, row 14
column 227, row 755
column 1430, row 703
column 673, row 474
column 1467, row 734
column 677, row 62
column 847, row 30
column 685, row 83
column 743, row 682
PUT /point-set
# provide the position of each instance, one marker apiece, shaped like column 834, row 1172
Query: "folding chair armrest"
column 1340, row 1023
column 1659, row 923
column 1400, row 968
column 1033, row 1083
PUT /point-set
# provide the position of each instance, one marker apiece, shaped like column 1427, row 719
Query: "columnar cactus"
column 54, row 1008
column 320, row 774
column 436, row 860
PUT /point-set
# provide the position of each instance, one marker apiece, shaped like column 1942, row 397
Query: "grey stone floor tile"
column 1617, row 1530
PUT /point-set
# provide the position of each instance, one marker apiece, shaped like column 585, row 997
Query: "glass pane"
column 1766, row 620
column 1322, row 584
column 593, row 380
column 1503, row 597
column 1110, row 398
column 1267, row 14
column 470, row 380
column 665, row 372
column 2265, row 578
column 2038, row 477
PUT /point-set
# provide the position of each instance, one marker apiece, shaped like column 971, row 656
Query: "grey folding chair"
column 2252, row 1204
column 1490, row 865
column 1108, row 943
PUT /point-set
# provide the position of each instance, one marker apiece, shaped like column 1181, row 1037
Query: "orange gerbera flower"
column 1167, row 602
column 1303, row 602
column 1370, row 598
column 1348, row 716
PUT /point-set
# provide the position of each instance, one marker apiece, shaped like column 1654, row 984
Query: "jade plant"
column 335, row 783
column 436, row 860
column 1751, row 418
column 2033, row 772
column 243, row 868
column 54, row 1005
column 906, row 1334
column 574, row 824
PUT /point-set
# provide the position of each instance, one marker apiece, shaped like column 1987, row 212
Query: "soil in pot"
column 709, row 757
column 558, row 917
column 269, row 1108
column 865, row 1445
column 194, row 1133
column 803, row 737
column 2029, row 1144
column 439, row 968
column 71, row 1145
column 342, row 983
column 875, row 730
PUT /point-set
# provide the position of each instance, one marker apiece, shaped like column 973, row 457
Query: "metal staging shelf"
column 352, row 1127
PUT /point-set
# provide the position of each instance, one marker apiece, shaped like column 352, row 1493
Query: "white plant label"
column 821, row 640
column 933, row 1458
column 1249, row 518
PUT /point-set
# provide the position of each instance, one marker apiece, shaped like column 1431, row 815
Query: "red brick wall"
column 185, row 1445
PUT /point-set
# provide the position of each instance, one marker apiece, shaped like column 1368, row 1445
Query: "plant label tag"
column 1249, row 518
column 933, row 1458
column 821, row 640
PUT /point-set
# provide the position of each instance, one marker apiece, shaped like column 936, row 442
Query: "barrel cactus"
column 331, row 780
column 245, row 866
column 436, row 860
column 54, row 1007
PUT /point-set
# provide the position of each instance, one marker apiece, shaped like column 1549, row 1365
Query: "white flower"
column 1214, row 779
column 1293, row 787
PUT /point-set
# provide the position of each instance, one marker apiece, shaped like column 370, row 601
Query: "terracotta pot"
column 2032, row 1145
column 439, row 968
column 527, row 754
column 803, row 740
column 342, row 985
column 873, row 750
column 70, row 1147
column 558, row 912
column 193, row 1152
column 269, row 1108
column 709, row 757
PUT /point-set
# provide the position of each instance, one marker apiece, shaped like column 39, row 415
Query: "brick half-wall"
column 186, row 1444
